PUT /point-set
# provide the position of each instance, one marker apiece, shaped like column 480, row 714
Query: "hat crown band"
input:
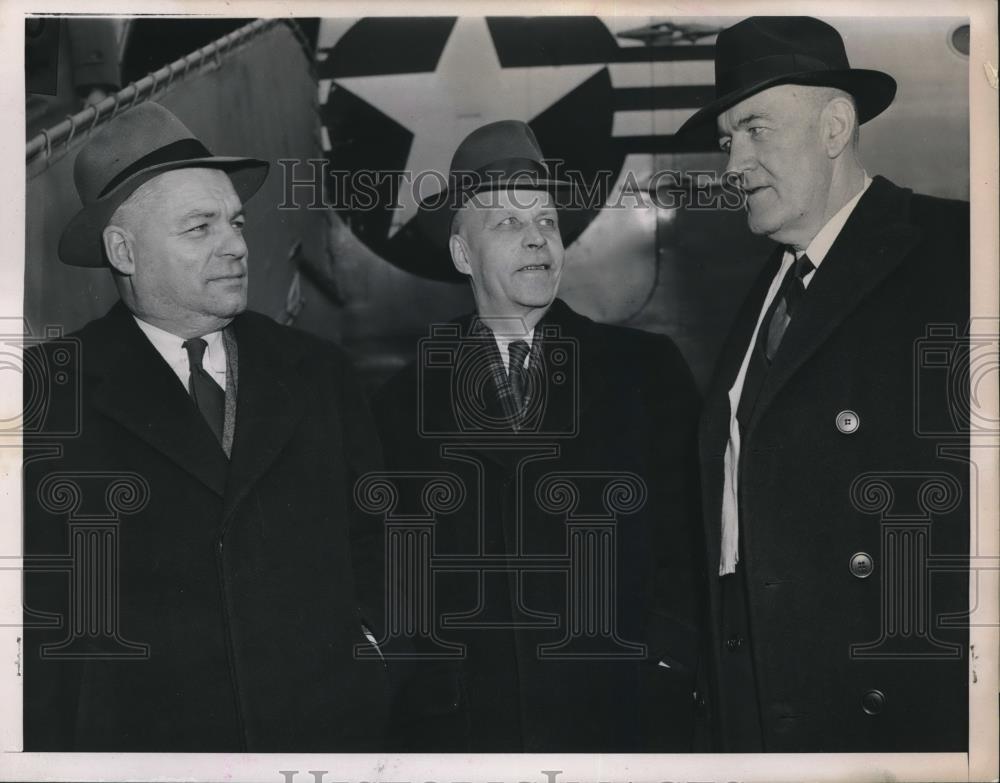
column 752, row 72
column 180, row 150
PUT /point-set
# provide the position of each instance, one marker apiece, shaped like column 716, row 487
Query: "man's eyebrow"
column 744, row 121
column 199, row 213
column 207, row 214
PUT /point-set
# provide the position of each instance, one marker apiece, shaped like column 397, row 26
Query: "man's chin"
column 537, row 298
column 539, row 292
column 760, row 226
column 229, row 310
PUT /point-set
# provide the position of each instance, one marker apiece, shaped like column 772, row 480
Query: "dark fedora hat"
column 765, row 51
column 502, row 155
column 136, row 146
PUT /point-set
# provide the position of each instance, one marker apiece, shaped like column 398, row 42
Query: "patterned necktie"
column 772, row 330
column 206, row 393
column 518, row 374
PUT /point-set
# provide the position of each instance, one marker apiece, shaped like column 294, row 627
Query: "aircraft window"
column 959, row 40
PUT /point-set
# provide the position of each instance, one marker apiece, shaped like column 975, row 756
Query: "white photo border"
column 980, row 763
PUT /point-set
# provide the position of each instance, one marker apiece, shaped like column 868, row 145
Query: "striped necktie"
column 518, row 352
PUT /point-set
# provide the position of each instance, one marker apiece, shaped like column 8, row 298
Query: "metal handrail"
column 41, row 146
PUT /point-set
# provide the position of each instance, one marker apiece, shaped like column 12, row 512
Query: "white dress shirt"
column 171, row 348
column 504, row 341
column 817, row 251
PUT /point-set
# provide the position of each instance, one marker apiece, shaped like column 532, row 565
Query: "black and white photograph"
column 500, row 392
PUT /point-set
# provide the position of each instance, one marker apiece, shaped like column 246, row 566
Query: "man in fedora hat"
column 825, row 621
column 223, row 448
column 575, row 627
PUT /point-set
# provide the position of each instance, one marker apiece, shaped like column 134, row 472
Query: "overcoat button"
column 873, row 702
column 862, row 565
column 734, row 642
column 848, row 422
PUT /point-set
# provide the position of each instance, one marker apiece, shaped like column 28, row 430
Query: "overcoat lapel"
column 469, row 395
column 871, row 245
column 715, row 418
column 714, row 432
column 137, row 389
column 584, row 353
column 270, row 402
column 483, row 355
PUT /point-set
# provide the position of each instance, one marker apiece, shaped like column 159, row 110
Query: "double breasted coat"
column 237, row 593
column 853, row 498
column 581, row 641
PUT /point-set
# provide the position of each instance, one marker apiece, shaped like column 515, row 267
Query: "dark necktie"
column 772, row 330
column 792, row 290
column 206, row 393
column 517, row 353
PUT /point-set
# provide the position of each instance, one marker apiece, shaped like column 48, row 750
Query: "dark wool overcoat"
column 239, row 578
column 602, row 474
column 854, row 497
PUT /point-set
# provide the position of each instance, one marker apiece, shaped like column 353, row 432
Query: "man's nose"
column 233, row 244
column 533, row 237
column 740, row 159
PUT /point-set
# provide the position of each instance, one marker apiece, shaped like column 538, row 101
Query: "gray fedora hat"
column 136, row 146
column 765, row 51
column 502, row 155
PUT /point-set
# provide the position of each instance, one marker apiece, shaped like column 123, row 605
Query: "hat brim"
column 82, row 244
column 873, row 91
column 435, row 213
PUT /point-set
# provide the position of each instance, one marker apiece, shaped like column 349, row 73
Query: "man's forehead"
column 772, row 102
column 514, row 198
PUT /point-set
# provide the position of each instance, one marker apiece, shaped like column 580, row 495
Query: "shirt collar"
column 827, row 235
column 171, row 347
column 504, row 340
column 504, row 337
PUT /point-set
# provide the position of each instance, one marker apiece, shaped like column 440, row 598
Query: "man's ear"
column 838, row 121
column 118, row 246
column 459, row 254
